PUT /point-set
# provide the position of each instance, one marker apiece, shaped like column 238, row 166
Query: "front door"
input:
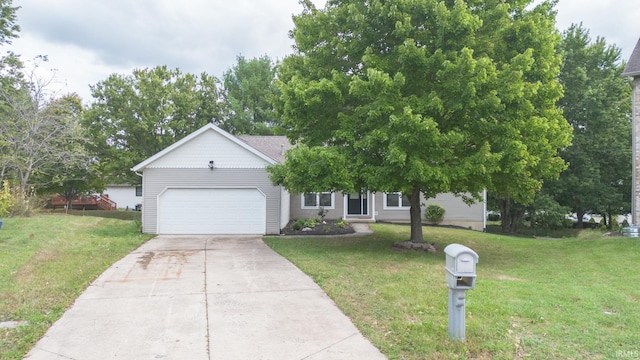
column 357, row 204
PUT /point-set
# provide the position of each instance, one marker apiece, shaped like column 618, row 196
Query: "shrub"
column 298, row 224
column 311, row 223
column 493, row 217
column 322, row 213
column 26, row 204
column 568, row 223
column 341, row 224
column 6, row 199
column 547, row 214
column 625, row 223
column 434, row 213
column 14, row 202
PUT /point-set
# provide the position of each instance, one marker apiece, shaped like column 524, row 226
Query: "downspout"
column 484, row 212
column 373, row 207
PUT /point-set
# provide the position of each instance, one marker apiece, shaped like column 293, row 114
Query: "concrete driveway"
column 204, row 297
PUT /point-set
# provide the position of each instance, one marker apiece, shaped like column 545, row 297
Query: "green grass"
column 572, row 298
column 46, row 262
column 119, row 214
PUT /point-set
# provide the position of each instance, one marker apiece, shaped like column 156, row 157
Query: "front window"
column 138, row 190
column 318, row 200
column 396, row 200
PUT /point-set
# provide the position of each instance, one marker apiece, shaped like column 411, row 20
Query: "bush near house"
column 434, row 213
column 317, row 226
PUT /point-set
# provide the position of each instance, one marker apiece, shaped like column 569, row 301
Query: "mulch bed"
column 327, row 228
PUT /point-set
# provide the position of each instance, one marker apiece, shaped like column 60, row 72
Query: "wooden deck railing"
column 101, row 202
column 105, row 203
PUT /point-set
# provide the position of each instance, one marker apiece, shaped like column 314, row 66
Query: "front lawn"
column 46, row 262
column 535, row 298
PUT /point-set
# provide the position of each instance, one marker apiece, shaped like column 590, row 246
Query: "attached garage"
column 211, row 182
column 211, row 211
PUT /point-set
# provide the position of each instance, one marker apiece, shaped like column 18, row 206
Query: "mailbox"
column 460, row 267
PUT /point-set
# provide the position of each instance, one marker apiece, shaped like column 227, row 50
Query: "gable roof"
column 633, row 66
column 208, row 127
column 272, row 146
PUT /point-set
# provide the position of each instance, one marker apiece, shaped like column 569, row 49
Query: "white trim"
column 484, row 211
column 373, row 207
column 370, row 206
column 344, row 206
column 333, row 201
column 210, row 187
column 196, row 133
column 394, row 208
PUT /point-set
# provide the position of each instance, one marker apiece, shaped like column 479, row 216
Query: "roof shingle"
column 272, row 146
column 633, row 66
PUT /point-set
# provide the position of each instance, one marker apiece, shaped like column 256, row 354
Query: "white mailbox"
column 460, row 267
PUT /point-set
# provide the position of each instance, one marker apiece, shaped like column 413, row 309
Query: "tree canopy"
column 40, row 137
column 422, row 97
column 9, row 29
column 596, row 105
column 134, row 117
column 248, row 93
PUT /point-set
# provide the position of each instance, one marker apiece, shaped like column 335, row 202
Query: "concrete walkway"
column 204, row 297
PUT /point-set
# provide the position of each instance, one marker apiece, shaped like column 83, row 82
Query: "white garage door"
column 212, row 211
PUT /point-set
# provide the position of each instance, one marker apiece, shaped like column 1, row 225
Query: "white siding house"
column 212, row 182
column 125, row 196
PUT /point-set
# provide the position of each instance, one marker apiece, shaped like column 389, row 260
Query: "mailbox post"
column 461, row 276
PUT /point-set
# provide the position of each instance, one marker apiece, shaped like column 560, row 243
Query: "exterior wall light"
column 211, row 164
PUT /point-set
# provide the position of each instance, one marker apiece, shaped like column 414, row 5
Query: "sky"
column 88, row 40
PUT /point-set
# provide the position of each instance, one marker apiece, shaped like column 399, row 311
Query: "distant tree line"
column 425, row 99
column 597, row 105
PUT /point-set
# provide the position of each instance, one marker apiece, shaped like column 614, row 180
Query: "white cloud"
column 87, row 40
column 615, row 20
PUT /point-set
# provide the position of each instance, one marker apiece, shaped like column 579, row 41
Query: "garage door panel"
column 212, row 211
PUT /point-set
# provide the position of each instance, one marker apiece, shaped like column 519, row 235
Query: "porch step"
column 358, row 220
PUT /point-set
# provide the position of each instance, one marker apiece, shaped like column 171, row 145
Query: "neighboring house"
column 125, row 196
column 212, row 182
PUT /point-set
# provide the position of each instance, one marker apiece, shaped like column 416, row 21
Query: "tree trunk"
column 580, row 215
column 515, row 218
column 510, row 216
column 505, row 207
column 416, row 216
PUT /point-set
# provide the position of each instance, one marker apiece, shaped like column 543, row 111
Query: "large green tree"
column 248, row 93
column 596, row 105
column 135, row 116
column 42, row 144
column 8, row 27
column 72, row 178
column 40, row 136
column 10, row 69
column 423, row 97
